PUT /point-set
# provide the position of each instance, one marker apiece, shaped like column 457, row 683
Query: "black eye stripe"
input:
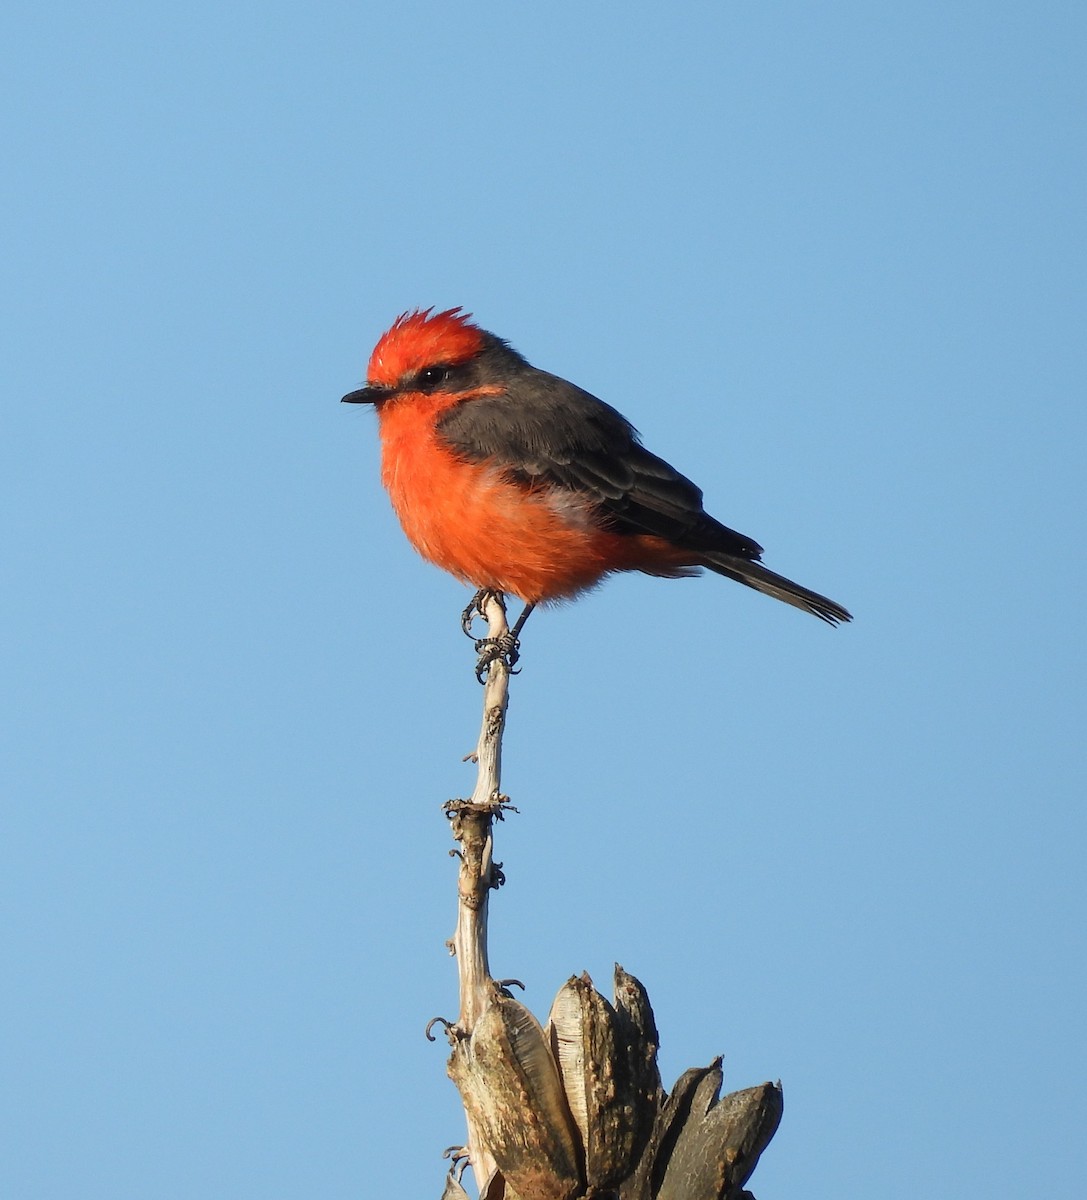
column 432, row 376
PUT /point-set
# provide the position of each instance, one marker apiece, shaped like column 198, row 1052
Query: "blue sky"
column 829, row 259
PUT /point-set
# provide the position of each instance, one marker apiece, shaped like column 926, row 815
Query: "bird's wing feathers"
column 545, row 431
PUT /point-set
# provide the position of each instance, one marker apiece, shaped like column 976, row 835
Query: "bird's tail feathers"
column 756, row 576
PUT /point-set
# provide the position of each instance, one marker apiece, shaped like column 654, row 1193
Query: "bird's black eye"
column 432, row 376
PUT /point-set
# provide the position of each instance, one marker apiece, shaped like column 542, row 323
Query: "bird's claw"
column 489, row 649
column 467, row 618
column 477, row 607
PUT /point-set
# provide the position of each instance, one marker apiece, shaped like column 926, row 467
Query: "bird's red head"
column 420, row 339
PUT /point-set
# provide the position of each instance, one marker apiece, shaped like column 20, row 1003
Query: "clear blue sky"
column 829, row 259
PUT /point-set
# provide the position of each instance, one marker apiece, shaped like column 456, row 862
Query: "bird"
column 521, row 483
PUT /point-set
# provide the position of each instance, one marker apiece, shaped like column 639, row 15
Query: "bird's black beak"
column 366, row 395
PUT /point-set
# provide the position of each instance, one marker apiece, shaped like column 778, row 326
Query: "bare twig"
column 472, row 824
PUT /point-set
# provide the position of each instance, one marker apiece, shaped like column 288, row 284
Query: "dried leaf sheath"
column 513, row 1096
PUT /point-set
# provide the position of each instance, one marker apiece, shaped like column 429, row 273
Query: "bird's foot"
column 477, row 607
column 490, row 650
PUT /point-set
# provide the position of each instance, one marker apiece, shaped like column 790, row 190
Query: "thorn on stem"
column 460, row 1156
column 450, row 1028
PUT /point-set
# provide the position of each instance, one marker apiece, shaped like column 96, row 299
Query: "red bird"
column 516, row 481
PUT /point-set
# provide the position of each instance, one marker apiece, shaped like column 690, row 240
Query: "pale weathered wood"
column 576, row 1110
column 472, row 824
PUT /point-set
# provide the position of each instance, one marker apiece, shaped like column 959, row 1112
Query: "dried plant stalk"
column 576, row 1110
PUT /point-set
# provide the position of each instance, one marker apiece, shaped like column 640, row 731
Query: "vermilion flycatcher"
column 516, row 481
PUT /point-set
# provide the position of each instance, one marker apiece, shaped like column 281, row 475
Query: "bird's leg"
column 515, row 632
column 508, row 646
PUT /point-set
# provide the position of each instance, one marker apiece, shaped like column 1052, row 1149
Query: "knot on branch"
column 493, row 720
column 497, row 808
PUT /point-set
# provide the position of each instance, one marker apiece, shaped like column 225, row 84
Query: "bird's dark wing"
column 543, row 430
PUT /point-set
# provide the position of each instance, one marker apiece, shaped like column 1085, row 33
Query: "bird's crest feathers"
column 422, row 338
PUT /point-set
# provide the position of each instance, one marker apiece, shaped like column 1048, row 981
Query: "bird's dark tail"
column 756, row 576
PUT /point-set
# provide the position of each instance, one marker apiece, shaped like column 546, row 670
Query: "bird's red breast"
column 469, row 517
column 471, row 520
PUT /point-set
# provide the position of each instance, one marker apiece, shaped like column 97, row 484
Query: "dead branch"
column 575, row 1109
